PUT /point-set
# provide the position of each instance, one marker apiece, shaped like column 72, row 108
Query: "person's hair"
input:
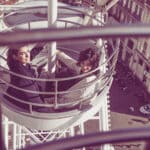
column 13, row 50
column 90, row 54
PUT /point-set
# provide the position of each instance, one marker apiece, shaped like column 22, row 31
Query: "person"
column 88, row 61
column 18, row 61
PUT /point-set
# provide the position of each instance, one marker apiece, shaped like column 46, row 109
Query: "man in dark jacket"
column 18, row 61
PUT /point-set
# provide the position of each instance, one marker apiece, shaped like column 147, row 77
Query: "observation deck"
column 89, row 98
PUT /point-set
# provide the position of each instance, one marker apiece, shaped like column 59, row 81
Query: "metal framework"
column 20, row 136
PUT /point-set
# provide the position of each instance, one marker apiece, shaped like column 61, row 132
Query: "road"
column 126, row 96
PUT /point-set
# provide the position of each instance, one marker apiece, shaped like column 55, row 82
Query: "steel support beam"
column 52, row 17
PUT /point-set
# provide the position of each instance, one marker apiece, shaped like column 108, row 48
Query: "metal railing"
column 53, row 34
column 80, row 12
column 102, row 79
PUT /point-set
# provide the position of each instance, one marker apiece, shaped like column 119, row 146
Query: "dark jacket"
column 26, row 84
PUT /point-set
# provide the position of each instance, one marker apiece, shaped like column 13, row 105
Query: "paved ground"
column 126, row 96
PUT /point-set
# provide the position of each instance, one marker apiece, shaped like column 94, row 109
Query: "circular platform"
column 34, row 15
column 54, row 120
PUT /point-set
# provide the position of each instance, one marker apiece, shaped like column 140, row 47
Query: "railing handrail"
column 61, row 7
column 59, row 20
column 53, row 34
column 78, row 100
column 101, row 77
column 115, row 50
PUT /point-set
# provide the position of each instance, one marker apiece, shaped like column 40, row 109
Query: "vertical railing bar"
column 30, row 108
column 56, row 93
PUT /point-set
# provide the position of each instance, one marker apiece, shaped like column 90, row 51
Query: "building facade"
column 135, row 52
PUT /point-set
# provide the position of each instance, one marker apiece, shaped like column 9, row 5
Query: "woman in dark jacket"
column 18, row 60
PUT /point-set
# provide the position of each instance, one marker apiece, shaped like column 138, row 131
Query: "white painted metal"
column 5, row 131
column 23, row 138
column 36, row 136
column 82, row 131
column 104, row 121
column 52, row 17
column 14, row 136
column 19, row 138
column 72, row 131
column 54, row 120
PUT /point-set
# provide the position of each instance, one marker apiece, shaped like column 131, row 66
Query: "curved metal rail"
column 103, row 79
column 85, row 106
column 80, row 12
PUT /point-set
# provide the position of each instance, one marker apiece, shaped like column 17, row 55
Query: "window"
column 141, row 44
column 122, row 16
column 130, row 44
column 121, row 3
column 148, row 19
column 140, row 12
column 118, row 14
column 140, row 62
column 136, row 9
column 129, row 4
column 114, row 11
column 124, row 2
column 128, row 57
column 130, row 20
column 136, row 13
column 147, row 69
column 144, row 48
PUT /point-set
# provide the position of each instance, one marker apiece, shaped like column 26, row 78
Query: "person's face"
column 86, row 66
column 23, row 55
